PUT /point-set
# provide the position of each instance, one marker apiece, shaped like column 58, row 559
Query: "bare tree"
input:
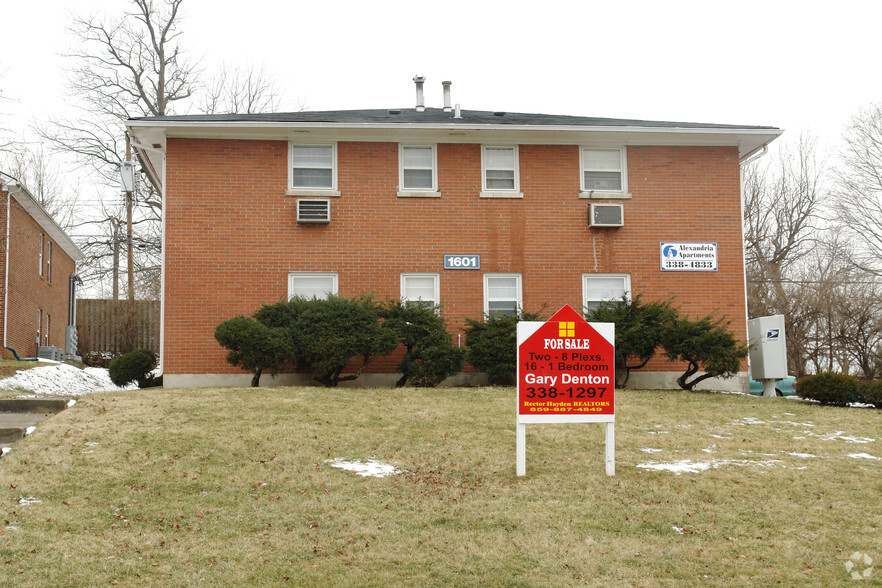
column 124, row 67
column 41, row 177
column 240, row 90
column 860, row 186
column 783, row 202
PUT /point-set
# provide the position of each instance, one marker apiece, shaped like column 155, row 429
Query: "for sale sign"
column 566, row 370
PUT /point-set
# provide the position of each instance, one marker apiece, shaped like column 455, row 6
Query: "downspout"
column 6, row 267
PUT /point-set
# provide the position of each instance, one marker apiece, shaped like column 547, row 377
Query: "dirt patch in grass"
column 227, row 486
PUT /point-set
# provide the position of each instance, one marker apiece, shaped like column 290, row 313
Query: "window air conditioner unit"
column 312, row 211
column 605, row 215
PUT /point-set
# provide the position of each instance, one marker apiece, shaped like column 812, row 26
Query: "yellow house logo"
column 566, row 329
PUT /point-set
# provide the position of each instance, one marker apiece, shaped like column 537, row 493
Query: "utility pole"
column 129, row 244
column 115, row 259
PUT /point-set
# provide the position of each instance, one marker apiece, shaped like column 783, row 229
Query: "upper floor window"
column 49, row 262
column 500, row 167
column 311, row 285
column 502, row 294
column 313, row 167
column 604, row 170
column 420, row 289
column 42, row 239
column 597, row 288
column 417, row 169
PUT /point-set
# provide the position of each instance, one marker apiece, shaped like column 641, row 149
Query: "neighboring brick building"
column 37, row 273
column 260, row 207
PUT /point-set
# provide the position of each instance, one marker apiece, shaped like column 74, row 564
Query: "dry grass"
column 230, row 486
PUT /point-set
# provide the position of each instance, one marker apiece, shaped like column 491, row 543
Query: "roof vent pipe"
column 446, row 85
column 457, row 113
column 419, row 81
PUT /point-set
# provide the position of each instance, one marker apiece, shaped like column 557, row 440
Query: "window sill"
column 600, row 195
column 311, row 192
column 501, row 194
column 419, row 194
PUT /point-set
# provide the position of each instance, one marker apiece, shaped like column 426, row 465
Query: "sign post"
column 566, row 374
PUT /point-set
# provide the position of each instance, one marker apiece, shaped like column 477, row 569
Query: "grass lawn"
column 232, row 486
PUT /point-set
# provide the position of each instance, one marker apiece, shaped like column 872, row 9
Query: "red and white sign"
column 566, row 370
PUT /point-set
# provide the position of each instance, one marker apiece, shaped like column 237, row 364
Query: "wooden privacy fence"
column 109, row 326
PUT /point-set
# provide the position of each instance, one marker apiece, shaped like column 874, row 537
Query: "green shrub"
column 871, row 393
column 829, row 388
column 429, row 353
column 704, row 344
column 254, row 346
column 491, row 345
column 330, row 333
column 133, row 367
column 639, row 329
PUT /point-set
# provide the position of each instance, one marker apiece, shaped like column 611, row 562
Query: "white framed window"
column 501, row 175
column 421, row 289
column 48, row 323
column 312, row 284
column 502, row 294
column 604, row 170
column 312, row 167
column 599, row 287
column 42, row 238
column 417, row 168
column 49, row 263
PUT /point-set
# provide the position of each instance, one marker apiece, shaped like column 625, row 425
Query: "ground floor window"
column 420, row 289
column 502, row 294
column 599, row 287
column 312, row 284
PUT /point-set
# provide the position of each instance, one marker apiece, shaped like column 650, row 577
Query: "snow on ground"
column 692, row 467
column 61, row 379
column 371, row 467
column 863, row 456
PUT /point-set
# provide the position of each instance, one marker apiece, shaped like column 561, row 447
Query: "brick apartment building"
column 37, row 275
column 477, row 211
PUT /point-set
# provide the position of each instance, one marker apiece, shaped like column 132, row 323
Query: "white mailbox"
column 768, row 351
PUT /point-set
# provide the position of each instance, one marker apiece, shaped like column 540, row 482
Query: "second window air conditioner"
column 313, row 211
column 605, row 215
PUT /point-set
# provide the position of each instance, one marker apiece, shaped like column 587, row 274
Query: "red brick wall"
column 30, row 292
column 231, row 235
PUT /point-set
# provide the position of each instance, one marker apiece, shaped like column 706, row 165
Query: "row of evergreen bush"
column 839, row 390
column 327, row 336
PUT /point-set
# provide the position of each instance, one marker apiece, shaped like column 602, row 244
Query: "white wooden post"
column 521, row 449
column 610, row 449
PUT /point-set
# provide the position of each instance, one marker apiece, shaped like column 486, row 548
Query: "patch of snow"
column 4, row 450
column 28, row 501
column 715, row 436
column 711, row 449
column 802, row 455
column 71, row 403
column 789, row 414
column 748, row 421
column 91, row 443
column 371, row 467
column 30, row 430
column 678, row 529
column 861, row 405
column 650, row 450
column 688, row 466
column 847, row 438
column 62, row 380
column 795, row 424
column 863, row 456
column 658, row 432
